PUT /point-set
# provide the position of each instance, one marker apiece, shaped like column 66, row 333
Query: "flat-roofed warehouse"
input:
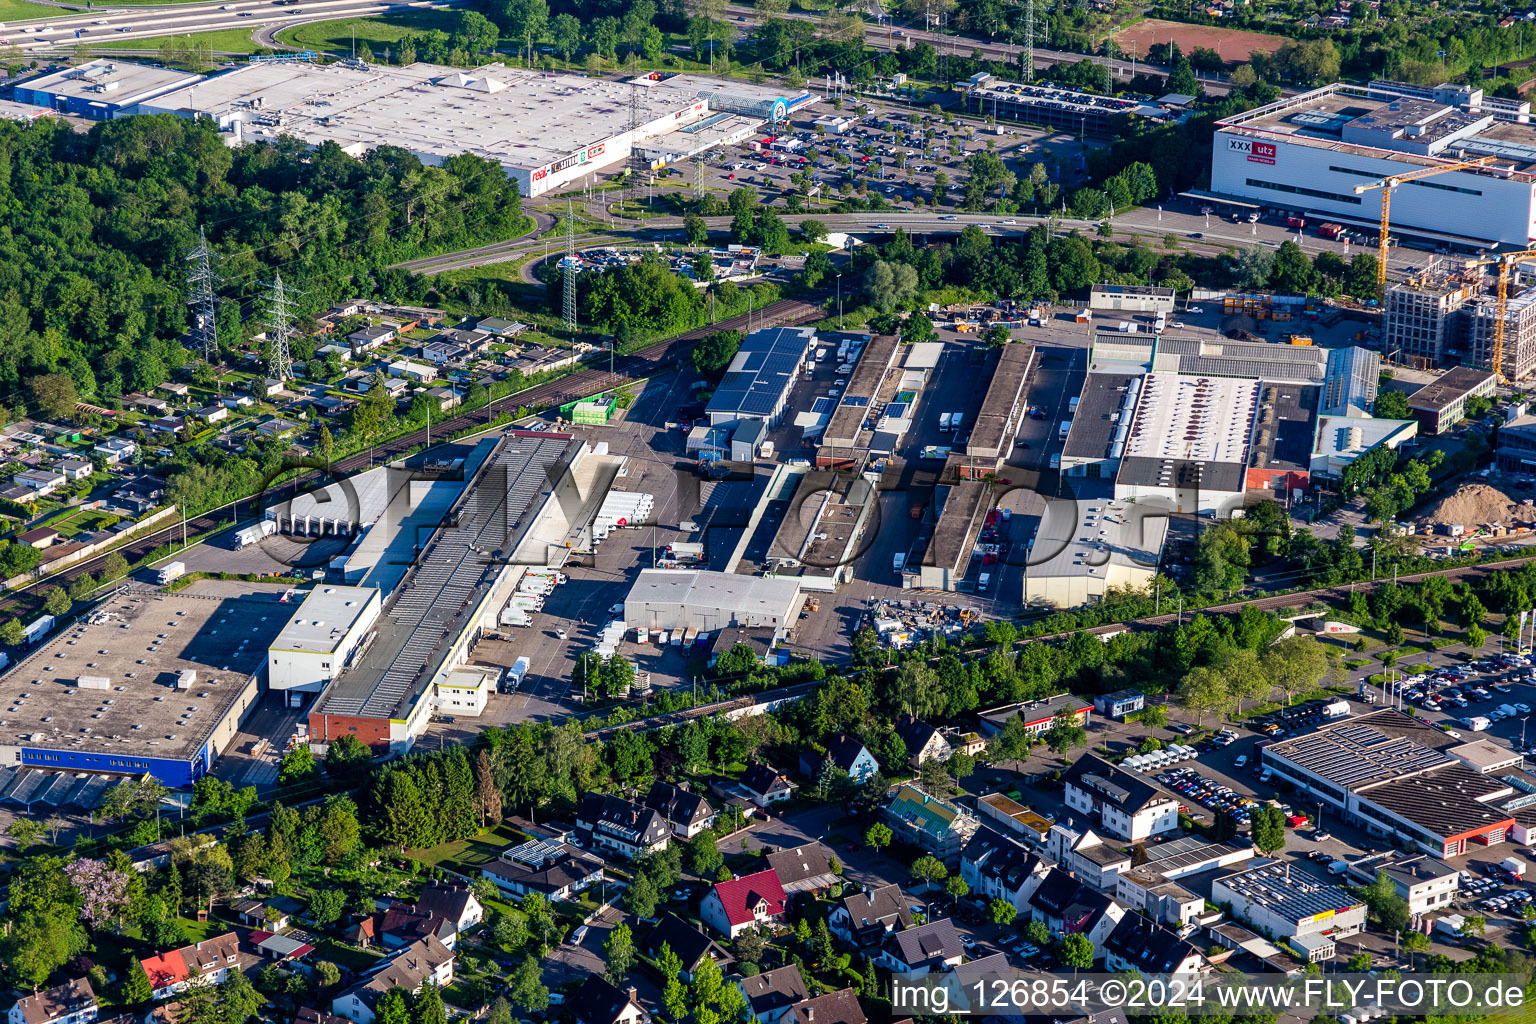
column 996, row 423
column 319, row 642
column 757, row 383
column 707, row 601
column 524, row 506
column 146, row 682
column 1308, row 153
column 547, row 130
column 1390, row 775
column 1083, row 548
column 101, row 89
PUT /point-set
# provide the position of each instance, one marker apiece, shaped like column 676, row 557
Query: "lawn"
column 82, row 522
column 472, row 852
column 19, row 10
column 378, row 33
column 228, row 40
column 346, row 956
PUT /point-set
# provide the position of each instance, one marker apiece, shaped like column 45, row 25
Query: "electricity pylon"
column 279, row 330
column 201, row 281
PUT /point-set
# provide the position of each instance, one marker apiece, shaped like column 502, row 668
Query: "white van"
column 984, row 582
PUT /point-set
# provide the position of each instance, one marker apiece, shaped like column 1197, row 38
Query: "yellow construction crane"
column 1506, row 262
column 1388, row 186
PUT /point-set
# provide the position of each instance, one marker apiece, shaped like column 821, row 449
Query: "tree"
column 1296, row 664
column 1253, row 266
column 713, row 1000
column 56, row 601
column 930, row 869
column 487, row 793
column 1038, row 933
column 1475, row 925
column 1268, row 825
column 54, row 396
column 618, row 954
column 704, row 857
column 347, row 758
column 136, row 987
column 877, row 836
column 1002, row 911
column 1391, row 405
column 429, row 1008
column 298, row 765
column 1075, row 951
column 813, row 231
column 1065, row 733
column 26, row 832
column 327, row 975
column 1182, row 78
column 327, row 905
column 528, row 990
column 641, row 897
column 714, row 351
column 12, row 633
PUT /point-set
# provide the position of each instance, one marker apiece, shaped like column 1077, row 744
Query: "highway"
column 111, row 26
column 1181, row 218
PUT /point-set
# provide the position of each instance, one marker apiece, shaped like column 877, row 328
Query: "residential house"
column 923, row 742
column 687, row 812
column 840, row 1007
column 272, row 387
column 1149, row 892
column 366, row 339
column 772, row 995
column 159, row 406
column 750, row 901
column 441, row 353
column 628, row 829
column 212, row 413
column 996, row 867
column 341, row 352
column 1068, row 907
column 276, row 426
column 41, row 482
column 236, row 402
column 865, row 918
column 203, row 963
column 931, row 824
column 690, row 945
column 846, row 754
column 176, row 389
column 1138, row 943
column 166, row 424
column 41, row 537
column 421, row 373
column 446, row 398
column 558, row 870
column 281, row 948
column 1088, row 856
column 70, row 1003
column 932, row 946
column 764, row 786
column 499, row 327
column 1120, row 703
column 453, row 902
column 972, row 979
column 422, row 961
column 805, row 868
column 114, row 450
column 75, row 469
column 274, row 914
column 399, row 925
column 1126, row 805
column 598, row 1002
column 309, row 1015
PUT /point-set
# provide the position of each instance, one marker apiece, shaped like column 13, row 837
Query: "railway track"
column 628, row 368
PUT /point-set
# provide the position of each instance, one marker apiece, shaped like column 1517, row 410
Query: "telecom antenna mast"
column 569, row 271
column 279, row 330
column 201, row 279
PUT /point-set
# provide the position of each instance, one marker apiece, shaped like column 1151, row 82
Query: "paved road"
column 112, row 26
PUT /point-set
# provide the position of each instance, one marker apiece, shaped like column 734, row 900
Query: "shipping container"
column 1295, row 222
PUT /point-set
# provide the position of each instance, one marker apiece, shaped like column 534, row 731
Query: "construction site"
column 1448, row 314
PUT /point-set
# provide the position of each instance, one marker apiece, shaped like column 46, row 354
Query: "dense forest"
column 95, row 228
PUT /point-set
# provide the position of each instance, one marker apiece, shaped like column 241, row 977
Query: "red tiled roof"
column 165, row 969
column 740, row 895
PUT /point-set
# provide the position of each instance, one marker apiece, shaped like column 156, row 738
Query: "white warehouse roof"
column 326, row 617
column 745, row 600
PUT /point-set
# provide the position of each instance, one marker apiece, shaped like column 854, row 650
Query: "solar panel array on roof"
column 856, row 400
column 1354, row 755
column 29, row 787
column 761, row 374
column 822, row 405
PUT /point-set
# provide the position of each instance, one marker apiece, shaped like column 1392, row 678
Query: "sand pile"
column 1473, row 504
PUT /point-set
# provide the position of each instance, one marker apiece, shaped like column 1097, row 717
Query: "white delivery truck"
column 253, row 534
column 514, row 676
column 1477, row 723
column 898, row 561
column 1508, row 710
column 1513, row 866
column 1336, row 708
column 983, row 582
column 1064, row 429
column 166, row 573
column 1450, row 924
column 944, row 419
column 1072, row 405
